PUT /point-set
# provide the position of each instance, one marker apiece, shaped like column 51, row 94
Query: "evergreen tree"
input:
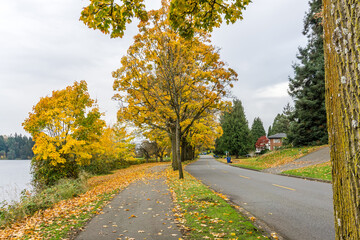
column 16, row 147
column 269, row 132
column 307, row 88
column 2, row 144
column 282, row 122
column 236, row 136
column 257, row 130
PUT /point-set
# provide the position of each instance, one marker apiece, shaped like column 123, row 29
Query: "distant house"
column 261, row 144
column 276, row 140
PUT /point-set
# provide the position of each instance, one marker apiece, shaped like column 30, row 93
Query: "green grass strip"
column 206, row 215
column 319, row 171
column 248, row 166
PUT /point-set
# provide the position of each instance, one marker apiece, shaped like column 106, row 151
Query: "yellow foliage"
column 64, row 127
column 165, row 79
column 115, row 143
column 185, row 16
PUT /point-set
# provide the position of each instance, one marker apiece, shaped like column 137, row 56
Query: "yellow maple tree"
column 168, row 82
column 203, row 134
column 113, row 150
column 64, row 127
column 162, row 141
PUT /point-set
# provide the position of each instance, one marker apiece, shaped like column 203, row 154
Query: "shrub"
column 100, row 167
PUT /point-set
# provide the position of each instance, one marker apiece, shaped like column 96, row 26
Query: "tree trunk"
column 189, row 155
column 342, row 72
column 186, row 150
column 183, row 150
column 178, row 154
column 174, row 163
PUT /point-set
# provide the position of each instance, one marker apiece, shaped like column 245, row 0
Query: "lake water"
column 15, row 176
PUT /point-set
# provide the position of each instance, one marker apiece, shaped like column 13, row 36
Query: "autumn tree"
column 113, row 150
column 168, row 82
column 262, row 143
column 342, row 97
column 185, row 16
column 148, row 149
column 162, row 141
column 202, row 135
column 64, row 127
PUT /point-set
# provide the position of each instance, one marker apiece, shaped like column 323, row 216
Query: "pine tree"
column 236, row 138
column 282, row 122
column 307, row 88
column 257, row 130
column 269, row 132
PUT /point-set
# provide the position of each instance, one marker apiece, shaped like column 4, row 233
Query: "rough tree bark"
column 342, row 71
column 178, row 154
column 186, row 151
column 174, row 162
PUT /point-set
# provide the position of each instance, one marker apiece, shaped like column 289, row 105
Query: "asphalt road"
column 297, row 209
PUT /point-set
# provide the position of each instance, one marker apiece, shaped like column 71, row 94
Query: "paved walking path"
column 320, row 156
column 141, row 211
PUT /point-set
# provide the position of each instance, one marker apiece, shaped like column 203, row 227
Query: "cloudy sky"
column 44, row 47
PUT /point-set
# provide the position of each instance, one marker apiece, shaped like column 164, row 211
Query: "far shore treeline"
column 16, row 147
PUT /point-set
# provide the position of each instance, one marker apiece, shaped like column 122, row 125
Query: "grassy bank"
column 205, row 214
column 30, row 203
column 319, row 171
column 59, row 220
column 273, row 158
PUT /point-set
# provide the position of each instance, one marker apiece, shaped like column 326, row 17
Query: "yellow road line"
column 225, row 171
column 284, row 187
column 244, row 177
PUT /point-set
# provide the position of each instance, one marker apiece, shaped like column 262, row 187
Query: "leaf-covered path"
column 142, row 211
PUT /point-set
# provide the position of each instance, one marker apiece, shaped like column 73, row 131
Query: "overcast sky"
column 44, row 47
